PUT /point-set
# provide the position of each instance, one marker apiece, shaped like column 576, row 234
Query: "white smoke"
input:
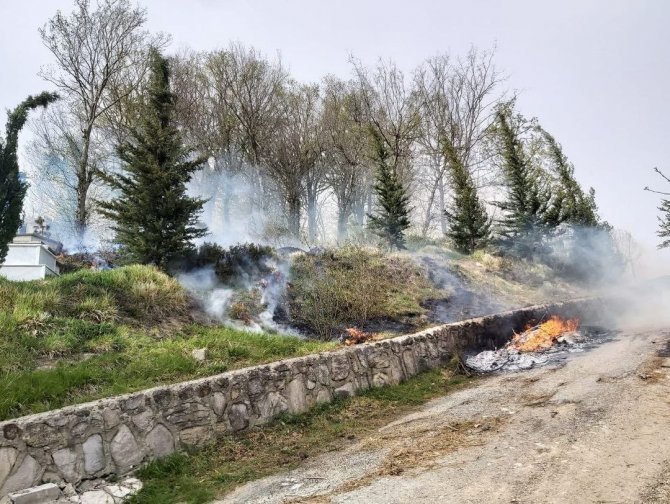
column 216, row 298
column 242, row 204
column 204, row 286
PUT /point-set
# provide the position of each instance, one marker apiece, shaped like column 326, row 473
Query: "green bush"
column 80, row 312
column 140, row 294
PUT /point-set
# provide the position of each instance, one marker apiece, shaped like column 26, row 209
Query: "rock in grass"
column 35, row 495
column 199, row 354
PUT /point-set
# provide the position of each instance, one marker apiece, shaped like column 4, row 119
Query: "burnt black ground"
column 465, row 301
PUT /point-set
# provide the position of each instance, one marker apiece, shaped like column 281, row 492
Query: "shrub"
column 335, row 289
column 237, row 264
column 245, row 305
column 415, row 242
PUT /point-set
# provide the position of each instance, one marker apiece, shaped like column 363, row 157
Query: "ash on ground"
column 511, row 360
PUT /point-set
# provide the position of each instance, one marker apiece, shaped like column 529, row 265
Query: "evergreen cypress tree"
column 155, row 220
column 664, row 224
column 392, row 219
column 523, row 223
column 469, row 224
column 569, row 204
column 12, row 189
column 663, row 220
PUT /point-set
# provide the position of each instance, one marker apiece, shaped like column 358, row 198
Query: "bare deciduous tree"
column 250, row 87
column 208, row 124
column 458, row 100
column 96, row 50
column 55, row 151
column 293, row 154
column 346, row 150
column 391, row 110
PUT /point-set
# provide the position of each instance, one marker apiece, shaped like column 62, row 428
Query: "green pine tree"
column 392, row 216
column 664, row 219
column 664, row 224
column 570, row 204
column 469, row 224
column 523, row 223
column 154, row 219
column 12, row 188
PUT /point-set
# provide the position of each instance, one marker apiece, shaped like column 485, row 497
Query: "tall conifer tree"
column 570, row 204
column 469, row 224
column 154, row 218
column 523, row 224
column 12, row 188
column 392, row 216
column 664, row 224
column 664, row 219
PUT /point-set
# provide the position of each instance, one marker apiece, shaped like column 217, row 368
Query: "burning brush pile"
column 355, row 336
column 537, row 345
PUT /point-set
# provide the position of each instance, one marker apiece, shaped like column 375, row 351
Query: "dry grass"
column 353, row 285
column 421, row 451
column 537, row 400
column 515, row 282
column 415, row 450
column 651, row 371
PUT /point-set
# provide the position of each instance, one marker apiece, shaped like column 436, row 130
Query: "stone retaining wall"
column 116, row 435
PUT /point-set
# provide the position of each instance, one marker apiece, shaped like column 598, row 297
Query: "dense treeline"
column 440, row 151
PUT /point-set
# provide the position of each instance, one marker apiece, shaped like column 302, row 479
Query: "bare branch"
column 657, row 192
column 661, row 174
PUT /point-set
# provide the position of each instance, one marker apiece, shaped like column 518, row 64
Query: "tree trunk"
column 81, row 214
column 311, row 214
column 226, row 205
column 342, row 228
column 428, row 217
column 443, row 218
column 223, row 195
column 371, row 207
column 343, row 213
column 293, row 202
column 359, row 211
column 83, row 184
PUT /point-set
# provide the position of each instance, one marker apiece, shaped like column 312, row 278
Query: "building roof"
column 54, row 246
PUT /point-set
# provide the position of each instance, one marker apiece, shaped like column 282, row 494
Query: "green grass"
column 132, row 360
column 92, row 334
column 201, row 476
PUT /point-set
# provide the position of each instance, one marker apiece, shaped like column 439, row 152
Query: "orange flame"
column 543, row 336
column 355, row 336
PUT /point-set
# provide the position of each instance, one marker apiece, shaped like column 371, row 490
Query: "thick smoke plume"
column 218, row 298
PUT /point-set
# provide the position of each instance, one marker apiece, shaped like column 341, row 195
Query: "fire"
column 543, row 336
column 355, row 336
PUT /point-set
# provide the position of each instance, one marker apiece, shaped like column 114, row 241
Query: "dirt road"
column 595, row 430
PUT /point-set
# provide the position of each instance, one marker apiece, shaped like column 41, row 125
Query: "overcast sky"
column 595, row 73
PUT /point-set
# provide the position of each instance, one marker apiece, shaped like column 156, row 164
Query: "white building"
column 30, row 257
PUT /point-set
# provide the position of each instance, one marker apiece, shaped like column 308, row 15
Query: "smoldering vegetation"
column 326, row 292
column 244, row 285
column 317, row 293
column 291, row 178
